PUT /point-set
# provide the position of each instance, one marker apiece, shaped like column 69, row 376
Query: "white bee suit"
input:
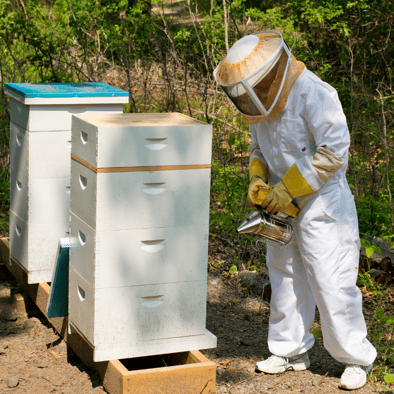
column 320, row 264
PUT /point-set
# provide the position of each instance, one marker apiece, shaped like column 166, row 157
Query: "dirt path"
column 33, row 358
column 38, row 360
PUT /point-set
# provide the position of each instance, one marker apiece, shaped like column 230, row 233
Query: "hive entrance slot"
column 82, row 238
column 159, row 361
column 76, row 110
column 152, row 301
column 155, row 139
column 153, row 246
column 83, row 182
column 155, row 143
column 18, row 140
column 154, row 188
column 81, row 293
column 84, row 137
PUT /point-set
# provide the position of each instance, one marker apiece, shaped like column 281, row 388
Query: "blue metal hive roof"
column 64, row 89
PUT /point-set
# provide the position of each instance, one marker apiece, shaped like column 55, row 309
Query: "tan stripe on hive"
column 140, row 168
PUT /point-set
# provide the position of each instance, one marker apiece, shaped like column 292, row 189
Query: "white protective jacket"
column 320, row 264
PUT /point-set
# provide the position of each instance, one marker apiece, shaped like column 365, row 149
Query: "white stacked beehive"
column 40, row 144
column 139, row 217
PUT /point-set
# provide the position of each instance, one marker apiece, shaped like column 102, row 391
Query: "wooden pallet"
column 186, row 373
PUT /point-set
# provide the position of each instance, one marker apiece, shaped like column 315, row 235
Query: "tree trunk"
column 225, row 25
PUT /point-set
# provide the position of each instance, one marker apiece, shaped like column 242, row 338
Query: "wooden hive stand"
column 186, row 372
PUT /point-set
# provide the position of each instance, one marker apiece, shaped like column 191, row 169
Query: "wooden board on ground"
column 184, row 373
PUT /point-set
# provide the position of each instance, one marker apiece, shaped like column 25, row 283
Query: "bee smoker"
column 273, row 228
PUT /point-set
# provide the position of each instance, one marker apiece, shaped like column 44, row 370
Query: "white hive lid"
column 102, row 120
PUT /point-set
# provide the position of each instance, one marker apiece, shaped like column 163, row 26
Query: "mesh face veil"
column 254, row 71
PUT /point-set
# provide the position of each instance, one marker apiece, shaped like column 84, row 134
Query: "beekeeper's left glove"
column 290, row 186
column 258, row 173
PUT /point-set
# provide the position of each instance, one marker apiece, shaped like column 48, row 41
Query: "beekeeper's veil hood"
column 257, row 75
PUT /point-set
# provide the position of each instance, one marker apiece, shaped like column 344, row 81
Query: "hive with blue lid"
column 49, row 106
column 40, row 145
column 139, row 223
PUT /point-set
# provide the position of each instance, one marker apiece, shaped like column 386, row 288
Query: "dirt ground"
column 34, row 359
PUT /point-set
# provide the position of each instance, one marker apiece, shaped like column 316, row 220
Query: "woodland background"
column 164, row 53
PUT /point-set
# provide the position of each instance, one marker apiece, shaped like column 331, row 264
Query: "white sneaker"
column 278, row 364
column 354, row 376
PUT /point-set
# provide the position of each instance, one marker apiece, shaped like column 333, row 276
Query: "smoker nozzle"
column 251, row 224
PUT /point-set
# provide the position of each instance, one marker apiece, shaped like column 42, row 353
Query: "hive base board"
column 187, row 372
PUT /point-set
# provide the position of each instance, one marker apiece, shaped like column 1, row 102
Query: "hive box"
column 139, row 227
column 40, row 145
column 49, row 106
column 119, row 258
column 140, row 199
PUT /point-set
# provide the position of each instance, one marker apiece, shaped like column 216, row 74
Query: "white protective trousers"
column 320, row 264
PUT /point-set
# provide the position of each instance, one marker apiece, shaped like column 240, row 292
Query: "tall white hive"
column 139, row 217
column 40, row 144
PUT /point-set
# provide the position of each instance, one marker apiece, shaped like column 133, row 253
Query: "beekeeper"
column 300, row 143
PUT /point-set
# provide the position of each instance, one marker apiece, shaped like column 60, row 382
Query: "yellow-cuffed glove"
column 258, row 173
column 278, row 198
column 290, row 186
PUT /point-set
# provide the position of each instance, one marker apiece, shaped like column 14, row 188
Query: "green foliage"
column 374, row 216
column 316, row 12
column 233, row 270
column 389, row 377
column 382, row 328
column 316, row 331
column 229, row 185
column 369, row 248
column 4, row 205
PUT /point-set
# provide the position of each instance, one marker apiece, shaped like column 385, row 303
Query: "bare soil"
column 40, row 362
column 32, row 356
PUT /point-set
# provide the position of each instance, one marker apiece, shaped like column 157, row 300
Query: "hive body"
column 139, row 224
column 40, row 158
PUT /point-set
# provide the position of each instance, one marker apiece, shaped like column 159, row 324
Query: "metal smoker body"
column 273, row 228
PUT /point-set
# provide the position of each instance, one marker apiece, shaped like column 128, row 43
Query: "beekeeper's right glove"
column 258, row 174
column 292, row 185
